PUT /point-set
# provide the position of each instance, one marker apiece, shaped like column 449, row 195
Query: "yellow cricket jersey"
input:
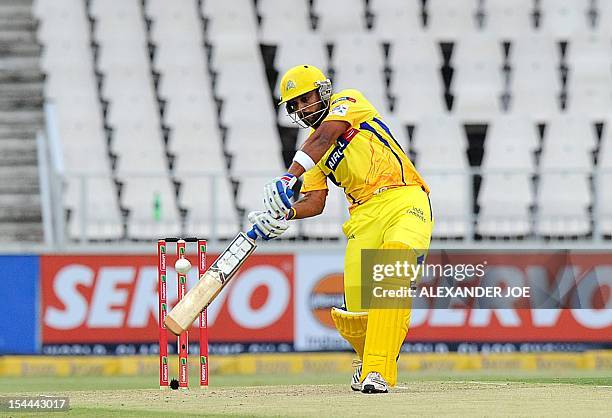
column 365, row 158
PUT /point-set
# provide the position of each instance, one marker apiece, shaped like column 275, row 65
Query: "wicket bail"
column 183, row 340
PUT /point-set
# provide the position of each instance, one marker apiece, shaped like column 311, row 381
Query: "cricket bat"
column 211, row 283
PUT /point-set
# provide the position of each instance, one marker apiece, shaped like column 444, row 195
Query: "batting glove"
column 266, row 226
column 277, row 194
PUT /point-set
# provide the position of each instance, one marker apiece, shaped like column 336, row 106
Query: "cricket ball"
column 182, row 266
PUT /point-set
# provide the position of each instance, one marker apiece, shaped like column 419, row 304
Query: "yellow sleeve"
column 350, row 106
column 314, row 179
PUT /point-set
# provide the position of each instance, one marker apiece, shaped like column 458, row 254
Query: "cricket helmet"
column 302, row 79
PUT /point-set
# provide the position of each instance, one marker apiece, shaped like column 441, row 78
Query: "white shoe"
column 374, row 383
column 356, row 380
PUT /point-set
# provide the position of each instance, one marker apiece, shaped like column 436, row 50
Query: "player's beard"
column 309, row 120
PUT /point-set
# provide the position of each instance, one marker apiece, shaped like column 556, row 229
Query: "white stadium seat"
column 478, row 81
column 441, row 158
column 247, row 148
column 515, row 130
column 281, row 19
column 603, row 9
column 353, row 72
column 339, row 18
column 449, row 20
column 396, row 18
column 589, row 84
column 139, row 148
column 568, row 142
column 565, row 165
column 196, row 147
column 564, row 18
column 416, row 82
column 140, row 195
column 563, row 214
column 505, row 19
column 94, row 210
column 210, row 207
column 236, row 18
column 508, row 164
column 504, row 214
column 535, row 80
column 174, row 22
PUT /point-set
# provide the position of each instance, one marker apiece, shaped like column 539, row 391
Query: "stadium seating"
column 603, row 14
column 565, row 18
column 281, row 19
column 506, row 193
column 566, row 164
column 505, row 19
column 440, row 146
column 589, row 59
column 416, row 82
column 449, row 20
column 394, row 19
column 535, row 81
column 339, row 18
column 184, row 92
column 604, row 180
column 351, row 69
column 478, row 81
column 71, row 86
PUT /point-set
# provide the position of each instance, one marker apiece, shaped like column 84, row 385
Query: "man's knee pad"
column 352, row 327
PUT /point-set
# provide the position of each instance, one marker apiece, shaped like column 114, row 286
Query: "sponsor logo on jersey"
column 337, row 154
column 417, row 212
column 340, row 110
column 341, row 99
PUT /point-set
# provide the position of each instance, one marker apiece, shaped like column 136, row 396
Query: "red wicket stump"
column 183, row 339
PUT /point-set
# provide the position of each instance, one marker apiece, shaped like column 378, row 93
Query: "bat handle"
column 251, row 234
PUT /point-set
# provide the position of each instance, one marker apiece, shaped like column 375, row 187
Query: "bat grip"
column 251, row 234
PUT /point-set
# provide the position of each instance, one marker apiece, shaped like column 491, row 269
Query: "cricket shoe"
column 374, row 383
column 356, row 380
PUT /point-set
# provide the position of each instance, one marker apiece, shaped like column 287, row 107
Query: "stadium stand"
column 503, row 105
column 509, row 161
column 416, row 84
column 21, row 96
column 441, row 146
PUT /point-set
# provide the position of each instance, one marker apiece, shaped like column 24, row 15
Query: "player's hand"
column 266, row 226
column 277, row 194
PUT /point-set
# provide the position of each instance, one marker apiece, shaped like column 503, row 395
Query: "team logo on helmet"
column 290, row 85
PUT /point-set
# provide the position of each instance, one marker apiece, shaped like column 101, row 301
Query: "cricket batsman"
column 351, row 146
